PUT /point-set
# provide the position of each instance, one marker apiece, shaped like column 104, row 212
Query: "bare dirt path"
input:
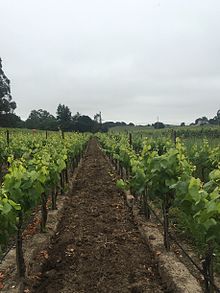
column 98, row 247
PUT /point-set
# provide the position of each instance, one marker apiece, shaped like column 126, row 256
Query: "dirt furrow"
column 97, row 247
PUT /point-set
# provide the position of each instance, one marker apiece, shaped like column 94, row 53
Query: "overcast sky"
column 134, row 60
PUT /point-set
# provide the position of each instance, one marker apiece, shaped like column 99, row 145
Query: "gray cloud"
column 132, row 59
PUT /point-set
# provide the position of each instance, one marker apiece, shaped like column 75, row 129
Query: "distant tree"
column 84, row 124
column 158, row 125
column 131, row 124
column 64, row 118
column 77, row 115
column 11, row 120
column 106, row 125
column 7, row 106
column 182, row 124
column 41, row 119
column 213, row 121
column 202, row 121
column 6, row 103
column 217, row 117
column 97, row 122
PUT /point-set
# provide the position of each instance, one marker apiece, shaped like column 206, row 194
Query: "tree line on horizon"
column 64, row 120
column 42, row 119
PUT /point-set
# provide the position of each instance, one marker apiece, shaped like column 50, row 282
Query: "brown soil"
column 98, row 247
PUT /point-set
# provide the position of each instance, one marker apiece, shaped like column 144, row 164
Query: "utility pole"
column 100, row 117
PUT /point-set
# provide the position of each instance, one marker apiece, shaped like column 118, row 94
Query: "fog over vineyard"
column 133, row 60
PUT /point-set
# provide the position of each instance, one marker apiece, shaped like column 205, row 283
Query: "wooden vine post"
column 7, row 137
column 62, row 183
column 19, row 251
column 54, row 198
column 145, row 204
column 66, row 172
column 208, row 269
column 130, row 139
column 173, row 136
column 8, row 142
column 43, row 212
column 165, row 209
